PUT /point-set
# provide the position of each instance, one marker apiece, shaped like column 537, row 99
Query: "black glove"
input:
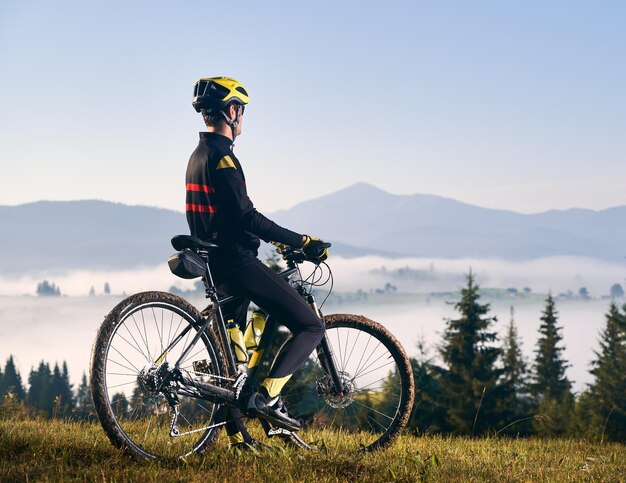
column 316, row 250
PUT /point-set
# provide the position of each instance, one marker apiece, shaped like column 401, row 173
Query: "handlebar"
column 296, row 255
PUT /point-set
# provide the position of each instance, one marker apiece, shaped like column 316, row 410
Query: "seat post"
column 211, row 292
column 209, row 284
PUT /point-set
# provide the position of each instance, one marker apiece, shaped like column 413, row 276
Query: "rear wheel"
column 132, row 383
column 378, row 387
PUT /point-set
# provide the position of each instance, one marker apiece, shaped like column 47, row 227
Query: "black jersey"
column 217, row 203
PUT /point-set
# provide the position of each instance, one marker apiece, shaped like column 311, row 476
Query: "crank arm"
column 216, row 425
column 288, row 436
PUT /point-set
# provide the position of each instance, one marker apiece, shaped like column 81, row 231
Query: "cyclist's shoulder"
column 225, row 161
column 214, row 153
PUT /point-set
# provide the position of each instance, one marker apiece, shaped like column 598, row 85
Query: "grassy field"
column 42, row 450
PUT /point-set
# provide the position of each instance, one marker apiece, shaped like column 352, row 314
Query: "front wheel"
column 378, row 387
column 133, row 383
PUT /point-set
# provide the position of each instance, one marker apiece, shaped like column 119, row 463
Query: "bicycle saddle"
column 180, row 242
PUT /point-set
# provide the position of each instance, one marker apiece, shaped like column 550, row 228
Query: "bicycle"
column 162, row 371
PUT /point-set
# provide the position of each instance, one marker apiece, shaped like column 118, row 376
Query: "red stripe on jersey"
column 200, row 208
column 200, row 187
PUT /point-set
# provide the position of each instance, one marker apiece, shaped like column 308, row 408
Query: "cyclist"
column 219, row 210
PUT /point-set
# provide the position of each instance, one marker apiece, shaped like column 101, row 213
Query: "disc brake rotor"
column 326, row 390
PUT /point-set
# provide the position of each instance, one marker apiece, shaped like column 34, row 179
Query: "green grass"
column 43, row 450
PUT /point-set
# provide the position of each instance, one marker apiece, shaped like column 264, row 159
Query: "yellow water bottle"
column 254, row 329
column 251, row 338
column 236, row 339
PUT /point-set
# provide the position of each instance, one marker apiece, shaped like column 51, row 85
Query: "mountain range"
column 359, row 220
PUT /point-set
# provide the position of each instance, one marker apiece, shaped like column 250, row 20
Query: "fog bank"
column 423, row 275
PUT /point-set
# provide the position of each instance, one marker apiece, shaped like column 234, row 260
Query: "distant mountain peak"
column 362, row 186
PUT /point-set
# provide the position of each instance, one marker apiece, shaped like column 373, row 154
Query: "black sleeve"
column 238, row 206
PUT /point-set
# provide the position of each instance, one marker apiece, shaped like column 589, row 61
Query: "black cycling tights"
column 258, row 283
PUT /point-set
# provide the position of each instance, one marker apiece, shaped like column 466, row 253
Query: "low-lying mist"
column 420, row 275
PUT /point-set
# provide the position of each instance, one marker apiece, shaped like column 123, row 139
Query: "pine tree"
column 39, row 391
column 119, row 404
column 551, row 388
column 469, row 380
column 607, row 394
column 61, row 392
column 428, row 416
column 84, row 404
column 11, row 381
column 515, row 401
column 616, row 291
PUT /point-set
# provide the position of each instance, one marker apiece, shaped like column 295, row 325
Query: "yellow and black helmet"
column 215, row 93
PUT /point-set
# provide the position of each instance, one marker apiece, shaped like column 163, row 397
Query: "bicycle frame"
column 211, row 391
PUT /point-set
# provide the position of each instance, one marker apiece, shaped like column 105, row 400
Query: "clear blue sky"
column 515, row 105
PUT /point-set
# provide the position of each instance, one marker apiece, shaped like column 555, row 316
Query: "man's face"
column 240, row 110
column 235, row 110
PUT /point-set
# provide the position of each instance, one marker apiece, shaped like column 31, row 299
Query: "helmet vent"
column 221, row 91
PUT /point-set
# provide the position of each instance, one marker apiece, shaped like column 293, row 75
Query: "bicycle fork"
column 326, row 358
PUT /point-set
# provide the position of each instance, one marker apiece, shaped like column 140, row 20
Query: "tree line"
column 485, row 386
column 478, row 385
column 49, row 393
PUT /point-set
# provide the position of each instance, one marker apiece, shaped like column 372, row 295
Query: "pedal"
column 287, row 436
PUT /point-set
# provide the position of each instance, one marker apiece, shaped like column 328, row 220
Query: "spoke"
column 194, row 355
column 376, row 369
column 186, row 420
column 121, row 365
column 389, row 356
column 162, row 330
column 363, row 353
column 156, row 324
column 140, row 335
column 345, row 362
column 368, row 385
column 206, row 409
column 131, row 345
column 124, row 357
column 369, row 407
column 367, row 419
column 377, row 422
column 358, row 334
column 143, row 321
column 175, row 331
column 384, row 401
column 169, row 332
column 137, row 345
column 371, row 354
column 120, row 385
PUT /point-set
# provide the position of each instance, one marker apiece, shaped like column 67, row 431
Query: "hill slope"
column 360, row 220
column 425, row 225
column 85, row 234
